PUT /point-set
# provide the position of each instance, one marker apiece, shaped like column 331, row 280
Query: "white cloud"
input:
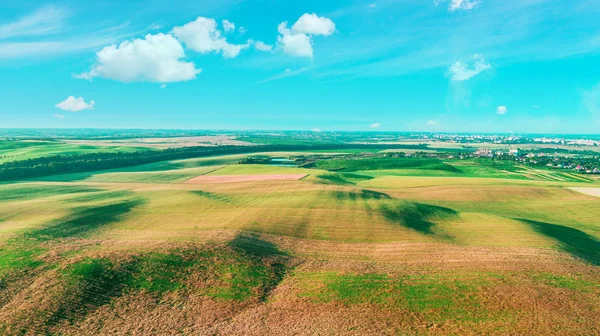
column 432, row 122
column 311, row 24
column 242, row 30
column 372, row 6
column 501, row 110
column 228, row 26
column 73, row 104
column 259, row 45
column 156, row 58
column 297, row 41
column 462, row 71
column 58, row 115
column 375, row 125
column 536, row 106
column 457, row 5
column 297, row 45
column 163, row 86
column 203, row 36
column 462, row 5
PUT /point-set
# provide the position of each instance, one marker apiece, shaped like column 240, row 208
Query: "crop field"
column 355, row 247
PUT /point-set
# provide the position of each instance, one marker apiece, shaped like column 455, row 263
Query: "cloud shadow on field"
column 253, row 245
column 85, row 220
column 263, row 255
column 363, row 195
column 415, row 216
column 575, row 242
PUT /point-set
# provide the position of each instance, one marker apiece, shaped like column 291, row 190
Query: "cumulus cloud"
column 58, row 115
column 203, row 36
column 73, row 104
column 501, row 110
column 259, row 45
column 458, row 5
column 311, row 24
column 432, row 123
column 297, row 45
column 375, row 125
column 228, row 26
column 462, row 71
column 156, row 58
column 297, row 41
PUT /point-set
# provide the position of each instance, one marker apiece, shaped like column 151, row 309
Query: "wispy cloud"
column 285, row 74
column 45, row 20
column 46, row 33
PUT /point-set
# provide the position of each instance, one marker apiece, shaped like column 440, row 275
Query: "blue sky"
column 391, row 65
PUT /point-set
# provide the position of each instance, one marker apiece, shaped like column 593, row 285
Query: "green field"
column 359, row 246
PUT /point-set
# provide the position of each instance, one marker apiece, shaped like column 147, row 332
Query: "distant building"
column 483, row 152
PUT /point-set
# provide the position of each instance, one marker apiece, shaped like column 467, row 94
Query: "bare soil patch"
column 245, row 178
column 588, row 191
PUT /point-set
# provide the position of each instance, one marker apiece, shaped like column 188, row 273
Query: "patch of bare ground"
column 588, row 191
column 245, row 178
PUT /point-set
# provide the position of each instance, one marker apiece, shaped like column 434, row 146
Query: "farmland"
column 365, row 245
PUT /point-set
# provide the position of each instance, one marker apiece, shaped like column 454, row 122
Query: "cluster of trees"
column 61, row 164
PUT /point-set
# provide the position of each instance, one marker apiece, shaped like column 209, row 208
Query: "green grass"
column 18, row 256
column 162, row 272
column 441, row 297
column 575, row 283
